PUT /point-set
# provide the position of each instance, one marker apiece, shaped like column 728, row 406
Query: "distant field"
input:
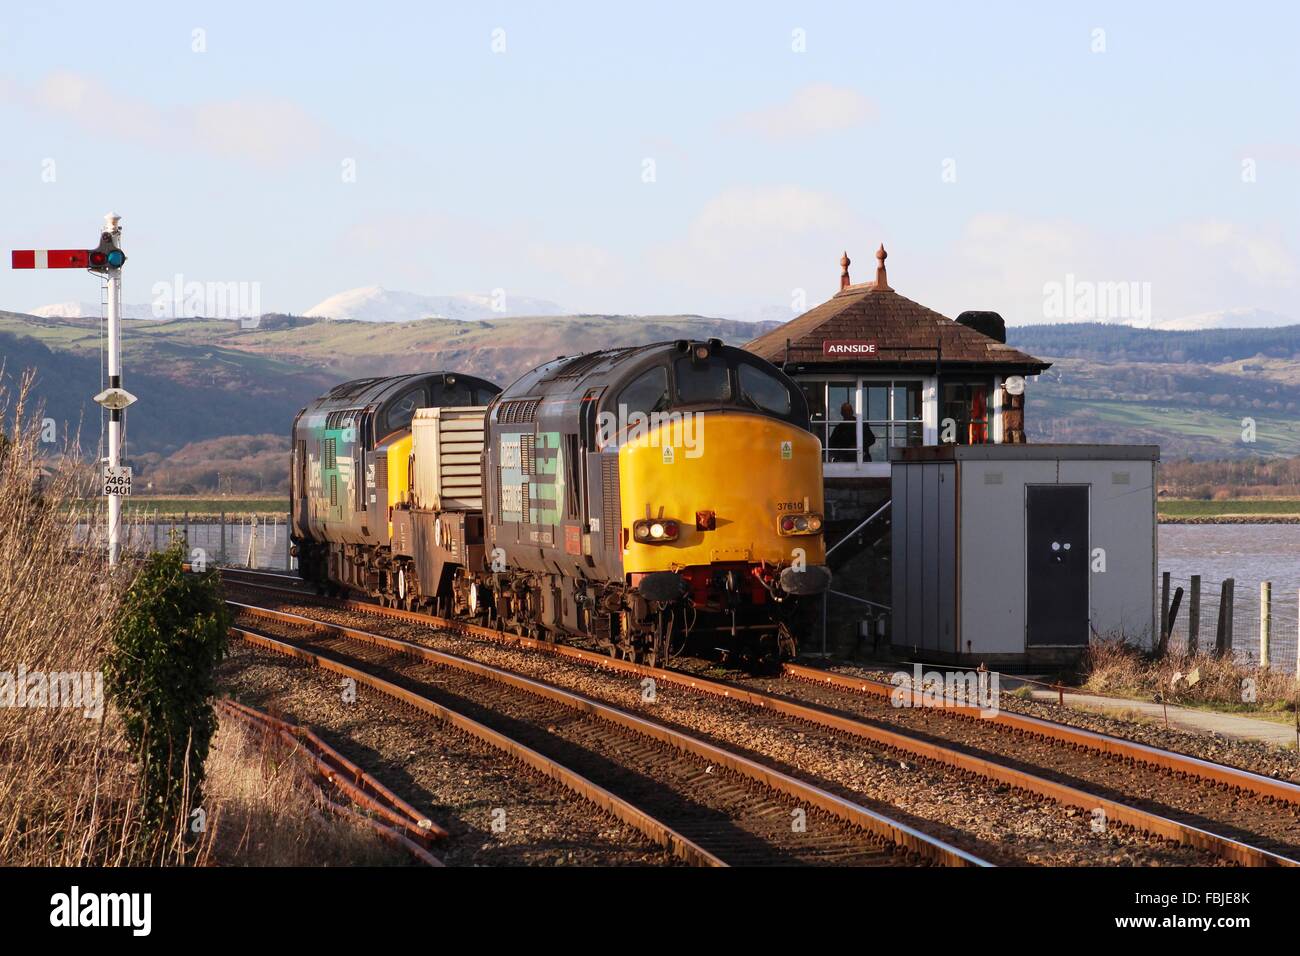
column 279, row 504
column 1192, row 508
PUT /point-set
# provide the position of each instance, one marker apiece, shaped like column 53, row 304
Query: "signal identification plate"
column 117, row 480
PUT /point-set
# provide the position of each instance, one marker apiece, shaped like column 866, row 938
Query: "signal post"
column 105, row 260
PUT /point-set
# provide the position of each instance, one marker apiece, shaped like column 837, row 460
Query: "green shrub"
column 160, row 673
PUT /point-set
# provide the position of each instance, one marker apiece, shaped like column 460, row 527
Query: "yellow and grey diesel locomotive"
column 346, row 444
column 633, row 495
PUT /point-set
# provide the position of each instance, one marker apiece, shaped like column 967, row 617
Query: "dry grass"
column 1117, row 667
column 68, row 791
column 266, row 811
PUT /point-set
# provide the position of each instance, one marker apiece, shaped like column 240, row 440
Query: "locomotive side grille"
column 528, row 454
column 612, row 523
column 381, row 480
column 517, row 411
column 334, row 491
column 329, row 461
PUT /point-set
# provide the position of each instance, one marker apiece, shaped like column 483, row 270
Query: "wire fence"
column 1246, row 622
column 235, row 540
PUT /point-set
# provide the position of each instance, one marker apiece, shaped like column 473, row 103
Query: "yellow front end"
column 750, row 471
column 399, row 475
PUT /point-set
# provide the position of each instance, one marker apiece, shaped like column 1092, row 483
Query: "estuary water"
column 1250, row 554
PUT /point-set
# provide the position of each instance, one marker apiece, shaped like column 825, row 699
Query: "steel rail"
column 400, row 832
column 899, row 834
column 1221, row 774
column 362, row 788
column 1144, row 820
column 1235, row 777
column 656, row 831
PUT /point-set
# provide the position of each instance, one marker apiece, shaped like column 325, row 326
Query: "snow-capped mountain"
column 1240, row 318
column 763, row 313
column 84, row 310
column 376, row 304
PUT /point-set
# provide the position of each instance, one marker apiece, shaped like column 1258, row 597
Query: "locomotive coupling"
column 814, row 579
column 666, row 586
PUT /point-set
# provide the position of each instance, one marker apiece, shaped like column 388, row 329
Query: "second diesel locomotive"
column 630, row 495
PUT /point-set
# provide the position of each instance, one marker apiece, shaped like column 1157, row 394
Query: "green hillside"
column 201, row 379
column 1188, row 392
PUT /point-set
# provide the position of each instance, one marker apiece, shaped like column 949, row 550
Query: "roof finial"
column 844, row 267
column 881, row 281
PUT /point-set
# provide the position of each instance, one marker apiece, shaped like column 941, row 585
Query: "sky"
column 664, row 158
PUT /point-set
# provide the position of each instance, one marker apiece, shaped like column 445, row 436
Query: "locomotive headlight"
column 658, row 531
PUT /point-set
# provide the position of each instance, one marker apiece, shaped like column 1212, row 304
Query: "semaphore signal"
column 106, row 260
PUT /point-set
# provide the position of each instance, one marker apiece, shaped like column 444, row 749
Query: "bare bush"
column 1115, row 666
column 68, row 787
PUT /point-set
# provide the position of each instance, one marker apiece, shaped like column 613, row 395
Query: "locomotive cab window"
column 403, row 408
column 647, row 393
column 764, row 390
column 702, row 380
column 452, row 393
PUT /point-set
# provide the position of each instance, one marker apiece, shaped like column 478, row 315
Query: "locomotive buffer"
column 104, row 260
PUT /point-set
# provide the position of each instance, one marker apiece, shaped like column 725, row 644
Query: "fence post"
column 1194, row 615
column 222, row 558
column 1223, row 634
column 1164, row 614
column 1265, row 620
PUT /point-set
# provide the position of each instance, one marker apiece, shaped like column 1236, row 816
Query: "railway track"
column 1085, row 785
column 710, row 806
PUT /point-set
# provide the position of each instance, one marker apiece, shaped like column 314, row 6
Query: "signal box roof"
column 869, row 324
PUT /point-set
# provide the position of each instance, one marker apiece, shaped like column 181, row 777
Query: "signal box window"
column 765, row 391
column 647, row 393
column 966, row 404
column 891, row 416
column 702, row 380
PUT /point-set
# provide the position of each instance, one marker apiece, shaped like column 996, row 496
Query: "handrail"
column 874, row 515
